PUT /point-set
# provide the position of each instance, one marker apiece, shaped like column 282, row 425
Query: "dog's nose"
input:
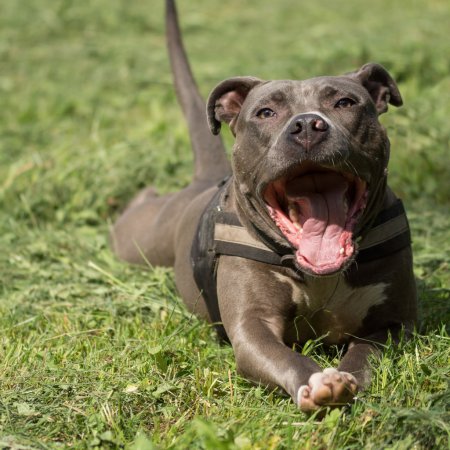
column 309, row 122
column 308, row 129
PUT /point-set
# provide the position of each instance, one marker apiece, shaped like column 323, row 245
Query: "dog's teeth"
column 341, row 250
column 293, row 213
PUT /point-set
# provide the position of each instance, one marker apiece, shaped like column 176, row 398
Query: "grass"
column 97, row 354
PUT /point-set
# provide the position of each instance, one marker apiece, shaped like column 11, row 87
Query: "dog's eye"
column 266, row 113
column 345, row 103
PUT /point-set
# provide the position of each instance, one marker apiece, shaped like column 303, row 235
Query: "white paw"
column 327, row 388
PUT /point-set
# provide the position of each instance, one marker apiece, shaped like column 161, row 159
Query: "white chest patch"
column 330, row 307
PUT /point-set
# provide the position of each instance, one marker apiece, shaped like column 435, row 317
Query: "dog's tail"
column 211, row 162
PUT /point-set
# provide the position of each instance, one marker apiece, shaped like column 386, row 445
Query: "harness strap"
column 389, row 234
column 204, row 260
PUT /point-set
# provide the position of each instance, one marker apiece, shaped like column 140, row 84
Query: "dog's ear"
column 226, row 100
column 380, row 85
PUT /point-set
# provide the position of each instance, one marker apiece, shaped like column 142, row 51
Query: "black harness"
column 221, row 233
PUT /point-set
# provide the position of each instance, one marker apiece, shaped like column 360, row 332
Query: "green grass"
column 94, row 353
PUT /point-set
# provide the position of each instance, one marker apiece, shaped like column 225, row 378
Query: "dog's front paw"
column 327, row 388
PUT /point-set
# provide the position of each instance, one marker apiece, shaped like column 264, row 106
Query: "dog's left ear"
column 226, row 100
column 380, row 85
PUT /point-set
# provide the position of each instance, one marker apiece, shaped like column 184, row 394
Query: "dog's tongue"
column 319, row 200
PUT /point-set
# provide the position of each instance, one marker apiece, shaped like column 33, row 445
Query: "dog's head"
column 309, row 159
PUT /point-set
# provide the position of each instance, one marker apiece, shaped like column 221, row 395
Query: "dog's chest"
column 329, row 307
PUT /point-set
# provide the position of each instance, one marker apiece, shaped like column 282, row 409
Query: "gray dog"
column 301, row 239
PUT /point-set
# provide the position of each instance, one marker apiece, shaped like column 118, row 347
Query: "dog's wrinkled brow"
column 329, row 91
column 278, row 97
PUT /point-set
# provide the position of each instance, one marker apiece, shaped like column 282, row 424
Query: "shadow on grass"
column 434, row 304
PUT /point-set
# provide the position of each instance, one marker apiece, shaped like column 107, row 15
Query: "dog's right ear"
column 226, row 100
column 380, row 85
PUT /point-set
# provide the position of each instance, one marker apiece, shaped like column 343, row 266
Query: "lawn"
column 95, row 353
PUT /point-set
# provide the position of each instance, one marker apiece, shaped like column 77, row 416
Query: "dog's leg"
column 140, row 234
column 254, row 309
column 356, row 359
column 354, row 368
column 262, row 356
column 145, row 232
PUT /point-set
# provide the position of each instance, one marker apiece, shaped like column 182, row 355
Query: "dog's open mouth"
column 317, row 209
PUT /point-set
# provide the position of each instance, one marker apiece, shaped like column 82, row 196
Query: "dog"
column 299, row 238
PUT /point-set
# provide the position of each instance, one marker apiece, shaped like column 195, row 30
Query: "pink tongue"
column 320, row 200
